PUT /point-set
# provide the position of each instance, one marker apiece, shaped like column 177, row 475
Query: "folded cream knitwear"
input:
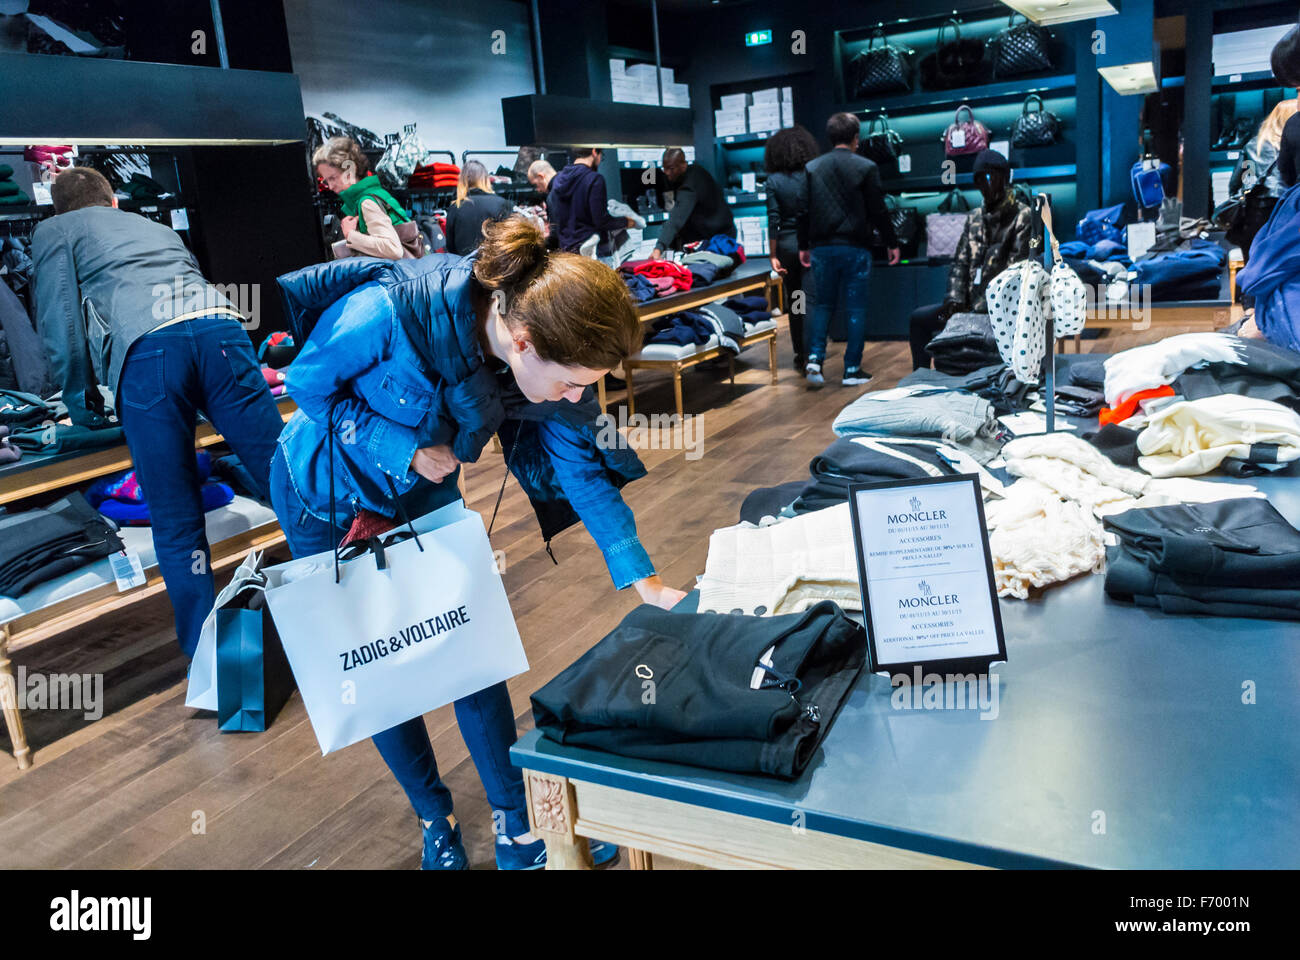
column 1163, row 362
column 1195, row 436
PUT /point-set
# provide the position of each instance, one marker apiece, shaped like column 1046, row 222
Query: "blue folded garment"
column 681, row 329
column 723, row 244
column 641, row 289
column 137, row 514
column 703, row 273
column 744, row 305
column 1075, row 249
column 1107, row 250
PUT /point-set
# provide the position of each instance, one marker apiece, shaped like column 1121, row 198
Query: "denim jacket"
column 393, row 358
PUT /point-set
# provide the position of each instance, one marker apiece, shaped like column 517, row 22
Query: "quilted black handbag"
column 1241, row 216
column 955, row 62
column 880, row 145
column 1035, row 128
column 908, row 227
column 880, row 69
column 1019, row 48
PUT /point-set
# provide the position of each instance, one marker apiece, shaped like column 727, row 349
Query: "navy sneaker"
column 443, row 849
column 532, row 856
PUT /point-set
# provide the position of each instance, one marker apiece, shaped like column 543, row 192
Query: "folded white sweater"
column 1195, row 436
column 1156, row 364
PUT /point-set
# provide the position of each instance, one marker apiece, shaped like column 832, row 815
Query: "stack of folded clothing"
column 11, row 195
column 965, row 344
column 1233, row 558
column 1103, row 250
column 996, row 383
column 8, row 452
column 18, row 410
column 39, row 545
column 699, row 325
column 725, row 245
column 435, row 176
column 1191, row 272
column 1261, row 370
column 1160, row 364
column 274, row 379
column 917, row 412
column 856, row 460
column 121, row 500
column 1244, row 436
column 746, row 694
column 751, row 309
column 667, row 277
column 707, row 267
column 64, row 437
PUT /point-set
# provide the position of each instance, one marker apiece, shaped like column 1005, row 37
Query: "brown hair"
column 344, row 153
column 472, row 175
column 1270, row 131
column 577, row 311
column 78, row 187
column 841, row 128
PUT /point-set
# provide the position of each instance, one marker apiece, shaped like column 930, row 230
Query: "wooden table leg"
column 631, row 391
column 600, row 392
column 771, row 357
column 677, row 391
column 9, row 702
column 731, row 371
column 640, row 860
column 552, row 812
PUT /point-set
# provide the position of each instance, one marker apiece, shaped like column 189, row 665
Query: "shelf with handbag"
column 916, row 62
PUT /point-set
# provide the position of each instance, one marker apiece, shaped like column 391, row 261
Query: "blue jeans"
column 169, row 376
column 486, row 719
column 839, row 276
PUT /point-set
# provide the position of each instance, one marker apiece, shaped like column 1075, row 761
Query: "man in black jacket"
column 577, row 201
column 845, row 200
column 699, row 211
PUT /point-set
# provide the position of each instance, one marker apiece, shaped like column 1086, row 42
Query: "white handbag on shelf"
column 1024, row 296
column 407, row 627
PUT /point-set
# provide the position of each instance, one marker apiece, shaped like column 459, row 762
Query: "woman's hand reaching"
column 434, row 463
column 653, row 590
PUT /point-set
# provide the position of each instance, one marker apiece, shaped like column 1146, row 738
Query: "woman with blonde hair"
column 421, row 362
column 370, row 213
column 475, row 205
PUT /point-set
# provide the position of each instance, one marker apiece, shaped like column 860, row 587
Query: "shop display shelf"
column 1259, row 79
column 934, row 100
column 744, row 139
column 740, row 199
column 1224, row 158
column 1021, row 175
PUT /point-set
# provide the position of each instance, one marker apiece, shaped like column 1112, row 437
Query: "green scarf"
column 369, row 187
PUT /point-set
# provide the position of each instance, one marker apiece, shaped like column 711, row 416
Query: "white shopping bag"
column 202, row 692
column 385, row 645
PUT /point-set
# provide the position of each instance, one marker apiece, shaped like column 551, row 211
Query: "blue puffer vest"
column 432, row 296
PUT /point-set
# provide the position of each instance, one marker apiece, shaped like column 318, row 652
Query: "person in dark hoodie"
column 578, row 202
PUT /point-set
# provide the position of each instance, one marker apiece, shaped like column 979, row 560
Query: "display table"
column 1124, row 738
column 91, row 592
column 754, row 275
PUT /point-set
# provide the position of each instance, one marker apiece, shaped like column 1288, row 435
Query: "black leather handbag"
column 1035, row 128
column 880, row 69
column 955, row 62
column 880, row 145
column 908, row 227
column 1242, row 216
column 1019, row 48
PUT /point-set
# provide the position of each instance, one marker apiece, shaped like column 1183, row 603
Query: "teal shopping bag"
column 253, row 675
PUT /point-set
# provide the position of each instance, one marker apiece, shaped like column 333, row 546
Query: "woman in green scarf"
column 370, row 213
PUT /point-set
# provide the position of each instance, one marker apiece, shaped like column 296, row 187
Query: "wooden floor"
column 153, row 784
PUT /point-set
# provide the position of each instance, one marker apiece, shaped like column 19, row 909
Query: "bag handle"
column 1011, row 20
column 956, row 29
column 1032, row 98
column 956, row 117
column 1046, row 215
column 954, row 198
column 877, row 32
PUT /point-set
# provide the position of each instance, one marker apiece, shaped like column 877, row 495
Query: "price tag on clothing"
column 905, row 163
column 1141, row 236
column 979, row 272
column 180, row 219
column 127, row 570
column 41, row 194
column 958, row 138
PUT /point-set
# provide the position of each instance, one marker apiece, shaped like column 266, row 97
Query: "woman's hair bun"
column 512, row 253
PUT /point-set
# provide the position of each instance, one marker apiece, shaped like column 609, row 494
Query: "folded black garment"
column 973, row 381
column 1230, row 543
column 965, row 344
column 1117, row 443
column 19, row 409
column 1128, row 578
column 846, row 461
column 1267, row 372
column 1078, row 401
column 769, row 501
column 65, row 438
column 39, row 545
column 714, row 705
column 1089, row 373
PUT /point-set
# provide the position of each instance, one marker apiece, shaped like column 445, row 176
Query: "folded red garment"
column 650, row 269
column 1128, row 406
column 663, row 285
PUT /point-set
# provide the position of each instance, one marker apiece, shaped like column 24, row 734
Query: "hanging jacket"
column 714, row 703
column 1272, row 276
column 398, row 365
